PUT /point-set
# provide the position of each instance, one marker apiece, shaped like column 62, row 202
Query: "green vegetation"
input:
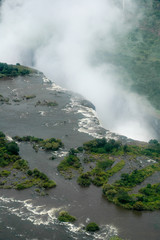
column 47, row 103
column 102, row 146
column 4, row 173
column 7, row 70
column 37, row 178
column 8, row 151
column 149, row 198
column 66, row 217
column 119, row 191
column 84, row 179
column 29, row 97
column 12, row 148
column 100, row 177
column 3, row 99
column 92, row 227
column 136, row 56
column 21, row 164
column 10, row 158
column 70, row 161
column 113, row 147
column 117, row 167
column 24, row 185
column 137, row 176
column 101, row 159
column 104, row 164
column 47, row 144
column 99, row 150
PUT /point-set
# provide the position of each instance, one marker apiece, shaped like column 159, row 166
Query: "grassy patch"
column 117, row 167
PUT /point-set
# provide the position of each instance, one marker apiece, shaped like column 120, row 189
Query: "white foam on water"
column 10, row 139
column 19, row 235
column 10, row 228
column 14, row 90
column 46, row 80
column 87, row 220
column 26, row 81
column 151, row 160
column 60, row 153
column 105, row 233
column 57, row 88
column 40, row 215
column 89, row 123
column 26, row 210
column 53, row 87
column 42, row 113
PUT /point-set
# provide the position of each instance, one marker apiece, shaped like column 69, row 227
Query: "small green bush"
column 92, row 227
column 65, row 217
column 13, row 148
column 70, row 161
column 47, row 144
column 49, row 184
column 2, row 135
column 21, row 164
column 84, row 180
column 105, row 164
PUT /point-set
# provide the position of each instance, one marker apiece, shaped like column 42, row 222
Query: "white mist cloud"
column 61, row 38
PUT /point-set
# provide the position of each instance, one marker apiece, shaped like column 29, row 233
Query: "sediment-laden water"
column 24, row 214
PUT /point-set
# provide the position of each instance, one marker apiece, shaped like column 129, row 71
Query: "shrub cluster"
column 92, row 227
column 8, row 151
column 102, row 146
column 70, row 161
column 9, row 155
column 148, row 198
column 66, row 217
column 7, row 70
column 137, row 176
column 84, row 179
column 47, row 144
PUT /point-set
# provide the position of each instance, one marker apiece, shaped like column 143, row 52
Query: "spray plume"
column 62, row 39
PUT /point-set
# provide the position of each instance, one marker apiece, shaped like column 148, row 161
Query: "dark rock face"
column 88, row 104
